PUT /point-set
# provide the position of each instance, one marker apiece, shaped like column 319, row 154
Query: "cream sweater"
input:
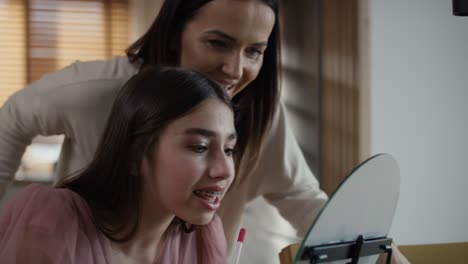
column 76, row 102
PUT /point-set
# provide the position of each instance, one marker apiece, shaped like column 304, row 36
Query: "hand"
column 397, row 257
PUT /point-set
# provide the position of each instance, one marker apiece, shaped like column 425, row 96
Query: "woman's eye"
column 218, row 44
column 198, row 148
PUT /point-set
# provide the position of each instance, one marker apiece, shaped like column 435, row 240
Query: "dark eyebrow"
column 206, row 133
column 224, row 35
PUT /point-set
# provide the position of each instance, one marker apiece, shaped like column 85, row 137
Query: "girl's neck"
column 144, row 245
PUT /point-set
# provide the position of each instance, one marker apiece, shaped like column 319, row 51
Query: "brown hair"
column 254, row 106
column 112, row 183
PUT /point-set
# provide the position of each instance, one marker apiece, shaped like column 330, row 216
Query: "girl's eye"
column 254, row 53
column 230, row 151
column 198, row 148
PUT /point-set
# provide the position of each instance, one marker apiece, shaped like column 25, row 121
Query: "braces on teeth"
column 208, row 193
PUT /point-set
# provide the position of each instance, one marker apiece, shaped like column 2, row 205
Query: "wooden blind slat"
column 12, row 48
column 59, row 33
column 66, row 31
column 74, row 31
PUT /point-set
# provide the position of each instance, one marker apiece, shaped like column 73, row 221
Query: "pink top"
column 44, row 224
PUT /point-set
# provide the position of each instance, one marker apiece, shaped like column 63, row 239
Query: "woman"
column 235, row 43
column 162, row 166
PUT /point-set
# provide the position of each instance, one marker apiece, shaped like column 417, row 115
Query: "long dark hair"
column 254, row 106
column 148, row 102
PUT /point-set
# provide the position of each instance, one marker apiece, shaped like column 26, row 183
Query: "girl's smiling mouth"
column 210, row 197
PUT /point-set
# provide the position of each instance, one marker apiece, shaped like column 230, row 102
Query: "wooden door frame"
column 344, row 127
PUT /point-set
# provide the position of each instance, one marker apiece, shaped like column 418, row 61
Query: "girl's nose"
column 221, row 166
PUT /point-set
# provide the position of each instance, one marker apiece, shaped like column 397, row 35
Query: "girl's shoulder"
column 43, row 207
column 54, row 223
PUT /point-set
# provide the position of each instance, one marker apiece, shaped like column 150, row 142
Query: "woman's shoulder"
column 80, row 85
column 98, row 70
column 82, row 79
column 79, row 90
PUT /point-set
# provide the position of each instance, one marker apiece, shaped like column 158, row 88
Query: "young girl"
column 162, row 167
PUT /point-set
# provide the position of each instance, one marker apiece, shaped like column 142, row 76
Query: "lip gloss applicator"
column 237, row 250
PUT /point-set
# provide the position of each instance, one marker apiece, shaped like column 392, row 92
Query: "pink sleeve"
column 48, row 225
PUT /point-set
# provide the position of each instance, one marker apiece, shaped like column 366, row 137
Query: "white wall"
column 419, row 109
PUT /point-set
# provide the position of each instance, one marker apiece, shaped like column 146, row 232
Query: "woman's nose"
column 233, row 66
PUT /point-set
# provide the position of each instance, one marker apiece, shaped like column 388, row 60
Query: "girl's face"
column 192, row 165
column 226, row 40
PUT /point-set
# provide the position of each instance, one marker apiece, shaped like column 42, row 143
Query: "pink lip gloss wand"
column 237, row 250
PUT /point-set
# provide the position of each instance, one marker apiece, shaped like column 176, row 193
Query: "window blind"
column 51, row 34
column 12, row 47
column 63, row 31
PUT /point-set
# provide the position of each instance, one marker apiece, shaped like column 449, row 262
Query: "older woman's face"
column 226, row 40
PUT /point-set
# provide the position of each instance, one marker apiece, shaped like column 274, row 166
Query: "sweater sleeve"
column 32, row 111
column 286, row 180
column 74, row 101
